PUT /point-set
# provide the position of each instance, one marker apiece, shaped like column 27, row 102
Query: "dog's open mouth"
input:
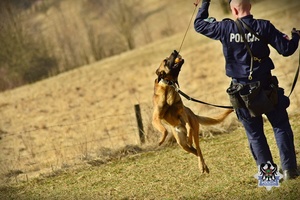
column 174, row 61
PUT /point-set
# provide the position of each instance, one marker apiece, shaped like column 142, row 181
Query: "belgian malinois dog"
column 169, row 108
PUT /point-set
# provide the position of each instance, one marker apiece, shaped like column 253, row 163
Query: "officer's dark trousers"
column 282, row 132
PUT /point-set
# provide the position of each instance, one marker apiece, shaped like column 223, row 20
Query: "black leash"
column 198, row 101
column 296, row 77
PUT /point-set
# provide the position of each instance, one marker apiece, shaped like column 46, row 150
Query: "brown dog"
column 168, row 107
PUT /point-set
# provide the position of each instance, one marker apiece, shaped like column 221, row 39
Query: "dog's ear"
column 157, row 72
column 160, row 75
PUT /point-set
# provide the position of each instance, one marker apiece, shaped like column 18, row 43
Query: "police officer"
column 238, row 61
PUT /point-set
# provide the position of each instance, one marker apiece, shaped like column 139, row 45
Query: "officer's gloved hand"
column 295, row 31
column 208, row 1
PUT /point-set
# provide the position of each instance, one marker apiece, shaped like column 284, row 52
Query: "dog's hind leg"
column 180, row 134
column 189, row 135
column 202, row 165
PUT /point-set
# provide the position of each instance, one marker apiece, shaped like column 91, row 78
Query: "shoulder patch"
column 210, row 19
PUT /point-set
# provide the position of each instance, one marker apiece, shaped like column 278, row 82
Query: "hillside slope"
column 68, row 118
column 168, row 173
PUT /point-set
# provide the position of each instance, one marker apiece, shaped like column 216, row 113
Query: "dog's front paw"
column 163, row 138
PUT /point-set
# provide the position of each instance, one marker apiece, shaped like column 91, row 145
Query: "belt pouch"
column 256, row 99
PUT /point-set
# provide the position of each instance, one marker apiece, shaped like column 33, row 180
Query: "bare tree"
column 24, row 58
column 124, row 15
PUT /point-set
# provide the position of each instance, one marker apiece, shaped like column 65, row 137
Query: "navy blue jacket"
column 235, row 52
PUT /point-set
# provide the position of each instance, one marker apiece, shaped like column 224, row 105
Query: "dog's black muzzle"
column 174, row 62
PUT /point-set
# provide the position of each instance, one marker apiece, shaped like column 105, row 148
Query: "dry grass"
column 64, row 121
column 168, row 173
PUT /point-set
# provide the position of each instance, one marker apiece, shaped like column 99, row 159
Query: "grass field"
column 166, row 173
column 74, row 136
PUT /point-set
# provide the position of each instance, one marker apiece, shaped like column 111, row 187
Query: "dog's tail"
column 211, row 121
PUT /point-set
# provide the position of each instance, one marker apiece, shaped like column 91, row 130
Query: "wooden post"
column 139, row 121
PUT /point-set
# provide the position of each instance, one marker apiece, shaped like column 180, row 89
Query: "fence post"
column 139, row 121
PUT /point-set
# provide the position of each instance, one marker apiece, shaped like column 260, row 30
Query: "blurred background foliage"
column 42, row 38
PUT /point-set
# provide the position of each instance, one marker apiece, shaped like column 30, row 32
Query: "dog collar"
column 165, row 82
column 170, row 83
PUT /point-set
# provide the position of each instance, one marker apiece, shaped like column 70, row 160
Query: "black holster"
column 234, row 95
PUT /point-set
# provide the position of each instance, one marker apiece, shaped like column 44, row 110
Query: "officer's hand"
column 295, row 31
column 208, row 1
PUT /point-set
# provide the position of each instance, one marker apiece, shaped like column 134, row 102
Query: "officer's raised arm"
column 281, row 42
column 206, row 25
